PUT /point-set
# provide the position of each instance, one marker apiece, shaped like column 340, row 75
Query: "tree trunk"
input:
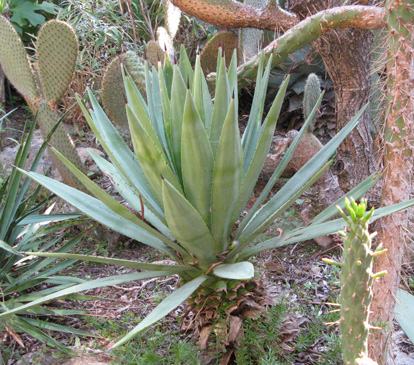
column 346, row 54
column 398, row 163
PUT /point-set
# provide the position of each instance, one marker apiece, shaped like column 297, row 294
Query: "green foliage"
column 28, row 15
column 24, row 228
column 184, row 139
column 102, row 28
column 2, row 5
column 404, row 312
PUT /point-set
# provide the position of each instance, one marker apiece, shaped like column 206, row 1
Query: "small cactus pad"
column 15, row 62
column 154, row 53
column 208, row 56
column 114, row 102
column 172, row 16
column 57, row 52
column 311, row 95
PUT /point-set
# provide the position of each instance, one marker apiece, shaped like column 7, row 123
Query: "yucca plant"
column 188, row 181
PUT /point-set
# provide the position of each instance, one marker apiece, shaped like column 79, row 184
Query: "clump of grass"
column 261, row 341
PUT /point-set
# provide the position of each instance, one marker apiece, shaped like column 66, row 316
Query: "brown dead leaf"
column 204, row 335
column 235, row 328
column 12, row 333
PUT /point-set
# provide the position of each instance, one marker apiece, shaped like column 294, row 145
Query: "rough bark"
column 398, row 163
column 346, row 54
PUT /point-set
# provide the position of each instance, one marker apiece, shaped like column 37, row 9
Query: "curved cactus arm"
column 308, row 30
column 233, row 14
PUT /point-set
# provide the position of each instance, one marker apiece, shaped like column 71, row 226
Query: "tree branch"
column 232, row 14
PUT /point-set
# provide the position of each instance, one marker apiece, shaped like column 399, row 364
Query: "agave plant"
column 188, row 181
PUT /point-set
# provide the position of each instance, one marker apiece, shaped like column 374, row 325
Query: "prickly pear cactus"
column 15, row 61
column 250, row 40
column 311, row 95
column 57, row 53
column 154, row 53
column 114, row 102
column 208, row 56
column 356, row 282
column 43, row 83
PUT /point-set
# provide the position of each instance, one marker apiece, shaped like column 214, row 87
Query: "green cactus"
column 154, row 53
column 250, row 38
column 43, row 83
column 311, row 95
column 114, row 102
column 208, row 56
column 356, row 281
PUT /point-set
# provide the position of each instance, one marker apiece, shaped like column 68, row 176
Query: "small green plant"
column 28, row 15
column 261, row 337
column 356, row 281
column 190, row 177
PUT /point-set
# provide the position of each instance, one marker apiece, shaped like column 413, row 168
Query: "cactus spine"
column 42, row 84
column 356, row 282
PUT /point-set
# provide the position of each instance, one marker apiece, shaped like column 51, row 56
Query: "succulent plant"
column 42, row 84
column 356, row 282
column 114, row 102
column 311, row 94
column 188, row 180
column 154, row 53
column 227, row 41
column 250, row 39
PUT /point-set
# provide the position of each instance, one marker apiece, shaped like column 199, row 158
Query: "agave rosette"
column 190, row 177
